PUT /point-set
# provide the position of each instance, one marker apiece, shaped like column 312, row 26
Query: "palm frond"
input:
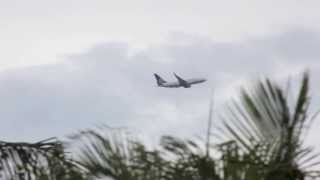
column 41, row 160
column 263, row 116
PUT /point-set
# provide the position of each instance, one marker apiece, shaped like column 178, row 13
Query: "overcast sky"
column 69, row 65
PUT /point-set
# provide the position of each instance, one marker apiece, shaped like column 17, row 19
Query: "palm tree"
column 44, row 160
column 265, row 125
column 116, row 156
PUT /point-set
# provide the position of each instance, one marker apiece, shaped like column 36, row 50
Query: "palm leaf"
column 264, row 115
column 41, row 160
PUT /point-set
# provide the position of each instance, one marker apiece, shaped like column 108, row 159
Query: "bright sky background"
column 67, row 65
column 40, row 31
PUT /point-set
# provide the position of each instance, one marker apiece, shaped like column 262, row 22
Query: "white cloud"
column 38, row 31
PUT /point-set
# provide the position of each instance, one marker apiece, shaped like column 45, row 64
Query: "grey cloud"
column 108, row 84
column 297, row 45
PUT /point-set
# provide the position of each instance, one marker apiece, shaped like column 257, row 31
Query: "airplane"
column 180, row 83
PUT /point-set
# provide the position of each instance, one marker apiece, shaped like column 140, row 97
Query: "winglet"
column 179, row 78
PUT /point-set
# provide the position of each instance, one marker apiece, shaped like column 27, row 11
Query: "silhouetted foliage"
column 44, row 160
column 265, row 125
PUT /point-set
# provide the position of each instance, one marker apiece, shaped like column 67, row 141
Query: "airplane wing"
column 181, row 81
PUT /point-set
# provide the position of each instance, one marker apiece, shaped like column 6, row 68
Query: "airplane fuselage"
column 188, row 83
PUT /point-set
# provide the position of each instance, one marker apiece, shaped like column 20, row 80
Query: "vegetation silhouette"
column 263, row 135
column 44, row 160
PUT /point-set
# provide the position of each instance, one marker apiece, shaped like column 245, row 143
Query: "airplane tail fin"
column 160, row 81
